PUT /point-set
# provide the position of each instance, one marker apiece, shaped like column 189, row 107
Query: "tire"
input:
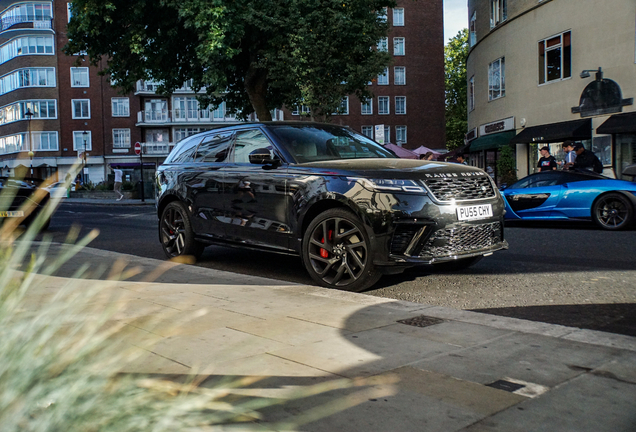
column 612, row 211
column 456, row 265
column 175, row 232
column 337, row 253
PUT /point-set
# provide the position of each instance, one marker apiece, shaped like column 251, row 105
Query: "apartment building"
column 544, row 71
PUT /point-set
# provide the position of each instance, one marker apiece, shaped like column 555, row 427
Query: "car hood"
column 407, row 169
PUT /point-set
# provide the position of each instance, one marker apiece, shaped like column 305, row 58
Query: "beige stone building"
column 544, row 71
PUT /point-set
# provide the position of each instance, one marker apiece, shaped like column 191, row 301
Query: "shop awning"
column 556, row 132
column 618, row 123
column 492, row 141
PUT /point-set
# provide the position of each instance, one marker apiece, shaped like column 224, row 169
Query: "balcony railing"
column 181, row 116
column 45, row 23
column 156, row 149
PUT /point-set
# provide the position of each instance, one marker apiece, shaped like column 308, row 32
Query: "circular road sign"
column 137, row 148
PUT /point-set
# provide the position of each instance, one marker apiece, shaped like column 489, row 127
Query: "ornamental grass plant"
column 62, row 353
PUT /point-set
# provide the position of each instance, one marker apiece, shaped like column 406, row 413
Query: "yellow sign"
column 11, row 214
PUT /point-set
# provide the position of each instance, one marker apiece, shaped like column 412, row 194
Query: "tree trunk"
column 256, row 87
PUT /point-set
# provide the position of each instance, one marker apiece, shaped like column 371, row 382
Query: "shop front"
column 622, row 129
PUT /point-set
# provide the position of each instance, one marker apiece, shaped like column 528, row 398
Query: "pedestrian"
column 570, row 156
column 547, row 161
column 586, row 160
column 461, row 159
column 118, row 176
column 427, row 156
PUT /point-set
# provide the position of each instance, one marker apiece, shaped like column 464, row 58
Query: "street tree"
column 455, row 55
column 254, row 55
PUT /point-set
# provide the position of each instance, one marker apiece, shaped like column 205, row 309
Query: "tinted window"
column 214, row 148
column 309, row 143
column 248, row 141
column 184, row 151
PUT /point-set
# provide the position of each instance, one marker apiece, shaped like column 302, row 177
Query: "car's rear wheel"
column 612, row 211
column 337, row 252
column 176, row 234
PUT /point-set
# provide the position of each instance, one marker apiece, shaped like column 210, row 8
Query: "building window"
column 387, row 134
column 383, row 14
column 303, row 110
column 30, row 77
column 472, row 38
column 471, row 93
column 399, row 75
column 400, row 105
column 555, row 58
column 157, row 136
column 496, row 79
column 81, row 108
column 69, row 12
column 78, row 141
column 42, row 109
column 384, row 78
column 398, row 17
column 121, row 107
column 498, row 12
column 398, row 46
column 367, row 131
column 121, row 138
column 26, row 45
column 343, row 109
column 383, row 44
column 400, row 135
column 383, row 105
column 79, row 77
column 45, row 141
column 366, row 107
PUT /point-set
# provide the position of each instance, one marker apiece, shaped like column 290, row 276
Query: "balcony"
column 178, row 116
column 156, row 149
column 38, row 23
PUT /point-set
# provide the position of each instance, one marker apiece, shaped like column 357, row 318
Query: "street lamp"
column 85, row 135
column 28, row 114
column 586, row 73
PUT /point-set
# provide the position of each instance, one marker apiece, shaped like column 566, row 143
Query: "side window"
column 248, row 141
column 185, row 151
column 214, row 148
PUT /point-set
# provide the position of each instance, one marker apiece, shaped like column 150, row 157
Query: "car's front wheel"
column 612, row 211
column 337, row 252
column 176, row 234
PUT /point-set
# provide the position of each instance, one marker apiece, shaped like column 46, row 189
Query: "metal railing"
column 156, row 149
column 8, row 22
column 180, row 116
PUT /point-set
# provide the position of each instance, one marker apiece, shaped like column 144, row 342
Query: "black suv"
column 349, row 207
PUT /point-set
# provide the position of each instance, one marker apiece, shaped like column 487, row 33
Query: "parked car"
column 572, row 195
column 57, row 190
column 351, row 209
column 14, row 194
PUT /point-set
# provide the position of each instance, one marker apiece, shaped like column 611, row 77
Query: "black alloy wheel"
column 612, row 211
column 175, row 232
column 337, row 252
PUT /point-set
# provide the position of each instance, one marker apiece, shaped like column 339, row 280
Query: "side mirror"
column 262, row 156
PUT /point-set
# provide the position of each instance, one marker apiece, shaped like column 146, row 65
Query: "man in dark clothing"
column 547, row 162
column 586, row 159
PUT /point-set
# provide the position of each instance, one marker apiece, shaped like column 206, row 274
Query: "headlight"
column 391, row 185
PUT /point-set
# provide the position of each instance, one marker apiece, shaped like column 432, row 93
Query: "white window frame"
column 120, row 106
column 399, row 46
column 75, row 115
column 399, row 75
column 498, row 12
column 398, row 17
column 51, row 139
column 383, row 44
column 343, row 109
column 80, row 77
column 401, row 104
column 78, row 141
column 383, row 79
column 121, row 138
column 367, row 131
column 384, row 102
column 387, row 134
column 497, row 83
column 366, row 107
column 400, row 130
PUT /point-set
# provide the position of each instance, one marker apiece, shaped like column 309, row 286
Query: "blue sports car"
column 572, row 195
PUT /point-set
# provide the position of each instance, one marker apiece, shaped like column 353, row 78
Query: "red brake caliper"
column 323, row 251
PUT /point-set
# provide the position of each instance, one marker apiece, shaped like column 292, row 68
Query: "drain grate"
column 421, row 321
column 506, row 385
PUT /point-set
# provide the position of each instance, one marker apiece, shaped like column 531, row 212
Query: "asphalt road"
column 570, row 273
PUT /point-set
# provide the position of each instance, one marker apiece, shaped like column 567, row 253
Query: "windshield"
column 311, row 143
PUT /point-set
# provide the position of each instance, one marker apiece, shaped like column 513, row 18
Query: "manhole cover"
column 421, row 321
column 506, row 385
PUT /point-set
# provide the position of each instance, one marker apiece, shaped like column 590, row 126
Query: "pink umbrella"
column 401, row 152
column 423, row 150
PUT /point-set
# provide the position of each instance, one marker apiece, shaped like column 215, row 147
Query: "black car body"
column 350, row 208
column 21, row 200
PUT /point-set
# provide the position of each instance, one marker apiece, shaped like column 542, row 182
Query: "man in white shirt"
column 570, row 155
column 118, row 176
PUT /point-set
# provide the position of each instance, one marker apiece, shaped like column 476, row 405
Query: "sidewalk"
column 109, row 201
column 456, row 370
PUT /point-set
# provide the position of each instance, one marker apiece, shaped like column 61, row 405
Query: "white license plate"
column 473, row 212
column 11, row 213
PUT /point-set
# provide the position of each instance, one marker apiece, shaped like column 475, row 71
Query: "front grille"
column 460, row 188
column 461, row 239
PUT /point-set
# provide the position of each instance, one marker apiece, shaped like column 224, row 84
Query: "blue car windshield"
column 311, row 143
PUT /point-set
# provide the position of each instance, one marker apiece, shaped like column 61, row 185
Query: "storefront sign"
column 497, row 126
column 471, row 134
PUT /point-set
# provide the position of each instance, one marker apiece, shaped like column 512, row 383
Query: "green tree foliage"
column 255, row 55
column 507, row 166
column 455, row 55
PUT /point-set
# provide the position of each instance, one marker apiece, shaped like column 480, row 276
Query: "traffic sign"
column 137, row 148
